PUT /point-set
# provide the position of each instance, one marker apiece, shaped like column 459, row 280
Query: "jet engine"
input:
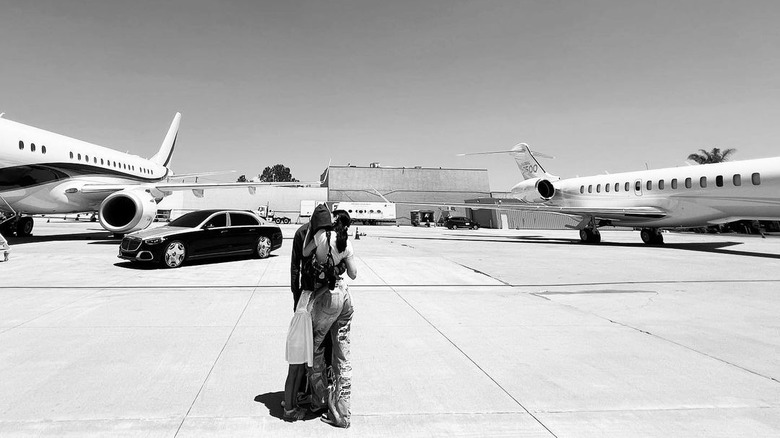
column 534, row 190
column 126, row 211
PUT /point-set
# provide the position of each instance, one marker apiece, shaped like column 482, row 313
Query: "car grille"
column 131, row 244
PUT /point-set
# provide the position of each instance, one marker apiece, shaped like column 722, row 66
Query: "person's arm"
column 295, row 264
column 351, row 267
column 310, row 243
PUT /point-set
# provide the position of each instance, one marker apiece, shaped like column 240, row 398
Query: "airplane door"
column 638, row 187
column 504, row 221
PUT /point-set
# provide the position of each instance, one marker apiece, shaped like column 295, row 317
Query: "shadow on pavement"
column 710, row 247
column 273, row 401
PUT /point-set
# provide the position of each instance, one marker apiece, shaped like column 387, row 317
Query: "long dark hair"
column 340, row 225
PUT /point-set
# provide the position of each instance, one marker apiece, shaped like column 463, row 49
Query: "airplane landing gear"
column 651, row 236
column 590, row 235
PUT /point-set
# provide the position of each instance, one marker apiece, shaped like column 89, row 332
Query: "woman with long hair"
column 331, row 314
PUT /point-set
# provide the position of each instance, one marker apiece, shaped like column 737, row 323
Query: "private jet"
column 650, row 200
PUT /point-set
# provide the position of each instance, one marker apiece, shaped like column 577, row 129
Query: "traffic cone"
column 357, row 234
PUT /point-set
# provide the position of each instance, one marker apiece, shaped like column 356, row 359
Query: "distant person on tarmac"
column 5, row 248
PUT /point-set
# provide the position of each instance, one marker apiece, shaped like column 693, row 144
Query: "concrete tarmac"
column 519, row 333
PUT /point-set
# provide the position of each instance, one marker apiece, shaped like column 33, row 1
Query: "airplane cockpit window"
column 756, row 178
column 737, row 180
column 703, row 182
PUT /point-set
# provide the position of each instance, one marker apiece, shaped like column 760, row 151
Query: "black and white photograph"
column 407, row 218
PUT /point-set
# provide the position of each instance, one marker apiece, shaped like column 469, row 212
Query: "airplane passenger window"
column 21, row 145
column 649, row 185
column 43, row 149
column 628, row 185
column 737, row 180
column 660, row 184
column 617, row 187
column 638, row 186
column 703, row 182
column 598, row 188
column 756, row 178
column 101, row 161
column 606, row 187
column 79, row 155
column 71, row 155
column 688, row 183
column 582, row 189
column 590, row 188
column 94, row 160
column 32, row 147
column 719, row 180
column 674, row 183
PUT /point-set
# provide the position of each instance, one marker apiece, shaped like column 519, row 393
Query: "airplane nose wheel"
column 590, row 235
column 651, row 236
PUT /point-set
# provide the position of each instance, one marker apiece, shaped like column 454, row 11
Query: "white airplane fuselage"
column 38, row 168
column 689, row 196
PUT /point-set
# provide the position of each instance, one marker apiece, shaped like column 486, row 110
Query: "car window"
column 219, row 220
column 190, row 220
column 239, row 219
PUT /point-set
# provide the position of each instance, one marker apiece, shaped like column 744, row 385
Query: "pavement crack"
column 211, row 370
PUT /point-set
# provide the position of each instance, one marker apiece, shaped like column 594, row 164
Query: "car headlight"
column 154, row 241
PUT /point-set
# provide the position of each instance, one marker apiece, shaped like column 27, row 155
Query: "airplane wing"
column 171, row 187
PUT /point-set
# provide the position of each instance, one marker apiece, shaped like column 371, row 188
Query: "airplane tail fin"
column 527, row 163
column 163, row 156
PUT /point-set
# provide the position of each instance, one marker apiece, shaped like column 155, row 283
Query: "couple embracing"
column 319, row 334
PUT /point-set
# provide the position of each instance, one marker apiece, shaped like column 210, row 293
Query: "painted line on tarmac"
column 469, row 358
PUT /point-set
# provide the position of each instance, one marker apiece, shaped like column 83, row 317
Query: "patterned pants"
column 331, row 314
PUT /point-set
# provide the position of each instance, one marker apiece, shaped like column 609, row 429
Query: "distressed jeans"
column 331, row 314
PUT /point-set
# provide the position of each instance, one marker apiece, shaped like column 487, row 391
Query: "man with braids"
column 331, row 314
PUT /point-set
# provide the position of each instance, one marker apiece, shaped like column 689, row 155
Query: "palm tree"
column 713, row 156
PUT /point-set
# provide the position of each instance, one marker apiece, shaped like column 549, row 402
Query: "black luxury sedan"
column 202, row 234
column 460, row 222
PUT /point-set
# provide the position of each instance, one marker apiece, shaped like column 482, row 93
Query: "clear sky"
column 602, row 85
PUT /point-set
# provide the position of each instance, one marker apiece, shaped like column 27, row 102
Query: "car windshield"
column 191, row 220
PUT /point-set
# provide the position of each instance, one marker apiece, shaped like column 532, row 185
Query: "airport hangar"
column 403, row 185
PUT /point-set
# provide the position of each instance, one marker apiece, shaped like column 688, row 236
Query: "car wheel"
column 263, row 247
column 451, row 227
column 174, row 254
column 476, row 226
